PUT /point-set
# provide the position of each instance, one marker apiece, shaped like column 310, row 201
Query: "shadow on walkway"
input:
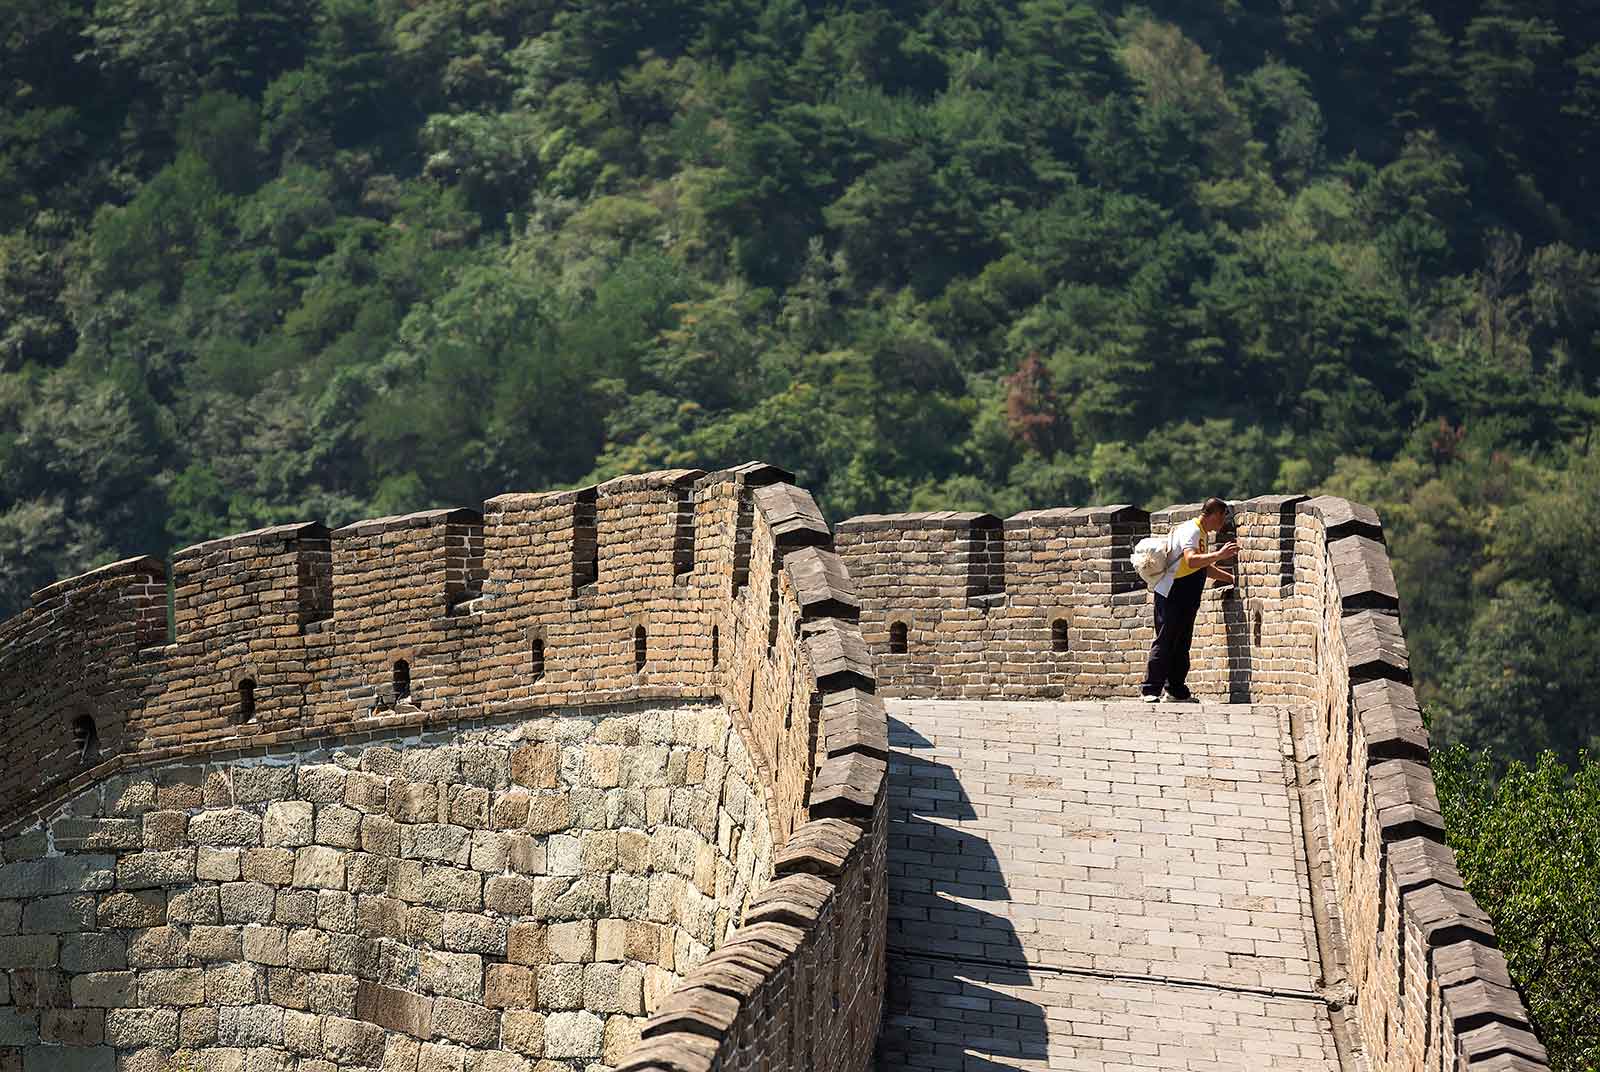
column 947, row 959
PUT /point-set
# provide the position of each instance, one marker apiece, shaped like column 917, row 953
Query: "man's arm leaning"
column 1196, row 561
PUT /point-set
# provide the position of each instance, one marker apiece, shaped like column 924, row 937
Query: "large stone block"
column 142, row 1027
column 522, row 1030
column 104, row 990
column 289, row 823
column 172, row 986
column 158, row 947
column 536, row 766
column 250, row 1025
column 228, row 827
column 144, row 870
column 93, row 952
column 468, row 932
column 66, row 874
column 394, row 1008
column 571, row 1035
column 319, row 867
column 247, row 902
column 456, row 975
column 70, row 1059
column 465, row 1022
column 352, row 1042
column 18, row 1027
column 509, row 986
column 59, row 914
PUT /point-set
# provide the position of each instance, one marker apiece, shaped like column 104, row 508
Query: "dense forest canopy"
column 271, row 260
column 264, row 260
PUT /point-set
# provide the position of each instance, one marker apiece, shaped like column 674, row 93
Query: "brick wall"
column 75, row 662
column 1313, row 621
column 663, row 588
column 1432, row 990
column 1043, row 604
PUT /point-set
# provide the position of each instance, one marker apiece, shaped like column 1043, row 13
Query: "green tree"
column 1528, row 844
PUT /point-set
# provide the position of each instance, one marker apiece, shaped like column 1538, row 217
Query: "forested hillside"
column 264, row 260
column 268, row 260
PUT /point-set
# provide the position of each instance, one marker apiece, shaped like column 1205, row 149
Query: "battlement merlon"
column 73, row 664
column 593, row 594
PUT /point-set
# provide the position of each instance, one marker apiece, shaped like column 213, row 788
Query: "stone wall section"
column 662, row 588
column 504, row 897
column 1314, row 622
column 799, row 986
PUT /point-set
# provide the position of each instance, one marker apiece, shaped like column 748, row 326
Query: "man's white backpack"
column 1151, row 557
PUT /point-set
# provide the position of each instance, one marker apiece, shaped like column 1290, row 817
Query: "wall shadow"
column 948, row 961
column 1237, row 641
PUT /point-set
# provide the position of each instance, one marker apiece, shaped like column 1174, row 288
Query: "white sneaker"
column 1150, row 697
column 1187, row 697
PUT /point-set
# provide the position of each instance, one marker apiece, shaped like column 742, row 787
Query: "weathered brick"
column 108, row 990
column 465, row 1022
column 142, row 1027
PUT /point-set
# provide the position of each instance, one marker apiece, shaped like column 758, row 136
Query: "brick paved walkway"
column 1098, row 886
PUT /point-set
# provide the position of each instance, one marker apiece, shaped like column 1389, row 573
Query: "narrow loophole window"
column 538, row 659
column 402, row 679
column 1058, row 635
column 247, row 699
column 897, row 638
column 86, row 739
column 640, row 652
column 1255, row 628
column 716, row 647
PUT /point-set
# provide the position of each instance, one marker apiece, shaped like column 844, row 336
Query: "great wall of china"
column 604, row 779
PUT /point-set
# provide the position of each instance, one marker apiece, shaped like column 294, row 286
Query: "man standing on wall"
column 1178, row 600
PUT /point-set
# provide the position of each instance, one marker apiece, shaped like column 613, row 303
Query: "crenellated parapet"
column 1432, row 988
column 1043, row 604
column 600, row 650
column 611, row 593
column 664, row 588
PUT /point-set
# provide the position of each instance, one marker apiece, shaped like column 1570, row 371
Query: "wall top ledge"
column 661, row 478
column 757, row 474
column 1082, row 515
column 421, row 519
column 139, row 565
column 1341, row 517
column 932, row 519
column 299, row 530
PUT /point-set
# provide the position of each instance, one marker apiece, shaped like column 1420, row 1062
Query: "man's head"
column 1214, row 514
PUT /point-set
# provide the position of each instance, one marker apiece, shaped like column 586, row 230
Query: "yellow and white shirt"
column 1188, row 536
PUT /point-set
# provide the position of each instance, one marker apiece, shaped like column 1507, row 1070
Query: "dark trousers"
column 1169, row 654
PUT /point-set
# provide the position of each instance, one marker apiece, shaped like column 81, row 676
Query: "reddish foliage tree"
column 1031, row 404
column 1446, row 442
